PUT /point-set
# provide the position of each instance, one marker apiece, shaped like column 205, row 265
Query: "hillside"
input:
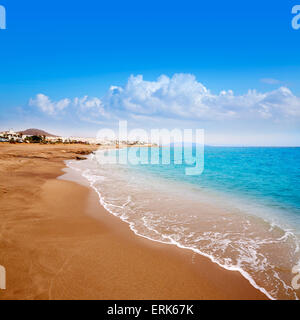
column 36, row 132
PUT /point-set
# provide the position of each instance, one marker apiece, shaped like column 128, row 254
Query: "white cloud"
column 182, row 96
column 270, row 81
column 46, row 105
column 179, row 97
column 91, row 107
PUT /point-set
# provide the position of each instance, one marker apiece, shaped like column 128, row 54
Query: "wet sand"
column 58, row 242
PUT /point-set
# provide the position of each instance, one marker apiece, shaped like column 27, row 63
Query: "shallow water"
column 243, row 212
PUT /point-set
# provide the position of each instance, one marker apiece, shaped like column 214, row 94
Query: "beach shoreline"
column 57, row 242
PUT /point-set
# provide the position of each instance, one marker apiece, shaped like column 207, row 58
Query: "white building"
column 10, row 135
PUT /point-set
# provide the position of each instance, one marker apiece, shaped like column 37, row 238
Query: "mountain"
column 36, row 132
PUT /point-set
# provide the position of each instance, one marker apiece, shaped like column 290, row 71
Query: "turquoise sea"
column 269, row 176
column 243, row 211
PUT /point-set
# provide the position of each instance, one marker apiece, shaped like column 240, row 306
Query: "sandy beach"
column 58, row 242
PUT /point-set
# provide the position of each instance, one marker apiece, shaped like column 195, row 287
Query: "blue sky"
column 65, row 51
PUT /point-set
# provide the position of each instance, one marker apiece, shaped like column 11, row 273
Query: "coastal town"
column 40, row 136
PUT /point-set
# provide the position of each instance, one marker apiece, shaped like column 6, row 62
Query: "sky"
column 231, row 68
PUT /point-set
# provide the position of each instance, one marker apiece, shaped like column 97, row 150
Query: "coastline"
column 57, row 242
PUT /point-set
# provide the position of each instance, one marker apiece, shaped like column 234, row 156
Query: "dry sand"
column 53, row 248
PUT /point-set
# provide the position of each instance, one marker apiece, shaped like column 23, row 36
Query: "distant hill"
column 36, row 132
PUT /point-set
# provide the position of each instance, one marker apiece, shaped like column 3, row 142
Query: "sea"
column 242, row 211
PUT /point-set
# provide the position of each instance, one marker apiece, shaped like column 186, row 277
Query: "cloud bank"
column 179, row 97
